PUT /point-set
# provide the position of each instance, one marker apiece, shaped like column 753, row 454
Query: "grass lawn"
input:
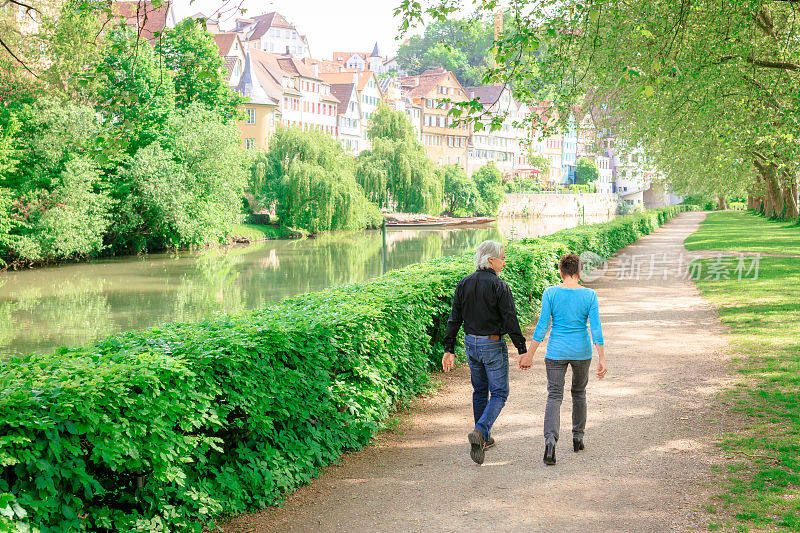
column 257, row 232
column 762, row 482
column 745, row 231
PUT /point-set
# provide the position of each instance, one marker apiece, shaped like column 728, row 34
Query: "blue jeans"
column 488, row 364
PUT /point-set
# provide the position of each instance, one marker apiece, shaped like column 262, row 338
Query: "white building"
column 605, row 178
column 506, row 147
column 349, row 134
column 394, row 97
column 272, row 33
column 369, row 94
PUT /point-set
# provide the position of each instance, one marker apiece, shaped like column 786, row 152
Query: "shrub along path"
column 649, row 441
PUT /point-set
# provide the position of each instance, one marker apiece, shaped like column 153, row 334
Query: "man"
column 484, row 304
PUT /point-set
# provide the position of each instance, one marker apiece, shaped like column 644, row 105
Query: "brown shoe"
column 477, row 445
column 489, row 443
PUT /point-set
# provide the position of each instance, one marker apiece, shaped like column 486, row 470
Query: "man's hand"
column 601, row 368
column 526, row 360
column 448, row 361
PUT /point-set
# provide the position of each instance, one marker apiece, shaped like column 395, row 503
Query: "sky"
column 341, row 25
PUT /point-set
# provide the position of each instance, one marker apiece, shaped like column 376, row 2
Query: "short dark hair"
column 570, row 265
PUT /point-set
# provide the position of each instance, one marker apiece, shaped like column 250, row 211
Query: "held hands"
column 448, row 361
column 526, row 359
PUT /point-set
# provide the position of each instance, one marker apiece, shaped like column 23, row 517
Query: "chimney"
column 315, row 70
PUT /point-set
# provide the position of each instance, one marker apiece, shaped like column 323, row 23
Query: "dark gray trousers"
column 556, row 370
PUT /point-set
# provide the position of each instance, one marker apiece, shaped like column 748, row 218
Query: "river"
column 71, row 304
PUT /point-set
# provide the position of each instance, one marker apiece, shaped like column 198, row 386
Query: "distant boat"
column 437, row 221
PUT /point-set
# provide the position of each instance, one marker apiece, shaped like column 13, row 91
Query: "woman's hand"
column 601, row 368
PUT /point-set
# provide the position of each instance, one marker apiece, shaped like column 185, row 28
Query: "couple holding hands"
column 483, row 303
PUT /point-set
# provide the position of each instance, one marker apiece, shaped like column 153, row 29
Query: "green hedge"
column 167, row 428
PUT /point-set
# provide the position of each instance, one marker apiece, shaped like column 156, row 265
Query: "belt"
column 490, row 337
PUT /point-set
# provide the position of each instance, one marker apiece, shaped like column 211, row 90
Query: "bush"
column 69, row 222
column 460, row 193
column 183, row 190
column 489, row 182
column 167, row 428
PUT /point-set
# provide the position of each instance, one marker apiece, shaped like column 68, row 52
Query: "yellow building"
column 445, row 144
column 261, row 108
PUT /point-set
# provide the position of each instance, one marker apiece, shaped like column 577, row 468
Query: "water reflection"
column 75, row 304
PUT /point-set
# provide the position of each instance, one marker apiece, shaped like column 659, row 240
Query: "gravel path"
column 649, row 436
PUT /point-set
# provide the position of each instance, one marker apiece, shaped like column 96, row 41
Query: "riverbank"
column 760, row 482
column 248, row 233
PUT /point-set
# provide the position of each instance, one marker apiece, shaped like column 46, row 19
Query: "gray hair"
column 487, row 250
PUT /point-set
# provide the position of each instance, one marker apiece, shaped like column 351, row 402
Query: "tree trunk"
column 773, row 204
column 789, row 197
column 722, row 204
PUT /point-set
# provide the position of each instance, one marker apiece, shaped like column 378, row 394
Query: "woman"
column 569, row 305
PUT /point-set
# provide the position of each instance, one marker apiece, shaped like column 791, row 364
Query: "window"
column 251, row 116
column 249, row 143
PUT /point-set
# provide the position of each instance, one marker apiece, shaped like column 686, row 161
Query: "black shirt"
column 484, row 304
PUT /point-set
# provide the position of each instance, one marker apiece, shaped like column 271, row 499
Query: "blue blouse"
column 569, row 309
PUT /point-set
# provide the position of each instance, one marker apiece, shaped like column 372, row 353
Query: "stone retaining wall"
column 594, row 204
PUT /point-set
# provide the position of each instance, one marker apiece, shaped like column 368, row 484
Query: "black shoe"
column 477, row 445
column 577, row 445
column 549, row 454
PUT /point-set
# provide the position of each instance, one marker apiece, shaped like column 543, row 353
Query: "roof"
column 294, row 66
column 269, row 20
column 375, row 51
column 323, row 65
column 348, row 76
column 225, row 41
column 143, row 16
column 251, row 86
column 230, row 62
column 343, row 92
column 485, row 95
column 385, row 83
column 419, row 86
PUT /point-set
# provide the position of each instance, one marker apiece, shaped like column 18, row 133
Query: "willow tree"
column 708, row 89
column 396, row 173
column 310, row 181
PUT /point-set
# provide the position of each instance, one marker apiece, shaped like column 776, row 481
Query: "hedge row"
column 168, row 428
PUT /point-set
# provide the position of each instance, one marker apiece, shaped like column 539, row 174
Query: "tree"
column 461, row 46
column 192, row 55
column 135, row 94
column 461, row 196
column 489, row 182
column 396, row 173
column 310, row 181
column 586, row 171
